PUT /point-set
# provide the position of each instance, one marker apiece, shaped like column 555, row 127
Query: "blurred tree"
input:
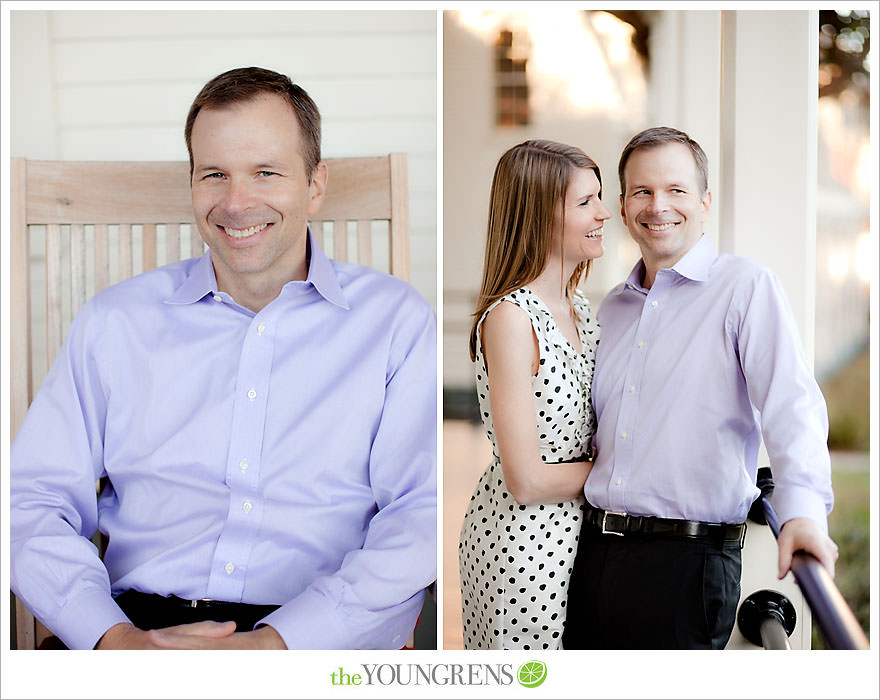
column 844, row 47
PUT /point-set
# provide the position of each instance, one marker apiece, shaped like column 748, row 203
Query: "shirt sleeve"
column 56, row 460
column 373, row 600
column 794, row 418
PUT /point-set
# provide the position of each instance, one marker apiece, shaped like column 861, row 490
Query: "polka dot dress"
column 514, row 560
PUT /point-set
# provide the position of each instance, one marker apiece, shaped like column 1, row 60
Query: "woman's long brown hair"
column 529, row 180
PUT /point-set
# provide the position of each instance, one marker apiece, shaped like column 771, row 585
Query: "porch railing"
column 828, row 607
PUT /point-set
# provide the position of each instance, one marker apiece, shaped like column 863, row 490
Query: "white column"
column 767, row 194
column 685, row 84
column 766, row 200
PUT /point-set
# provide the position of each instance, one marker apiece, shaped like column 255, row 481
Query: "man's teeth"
column 594, row 234
column 660, row 227
column 244, row 232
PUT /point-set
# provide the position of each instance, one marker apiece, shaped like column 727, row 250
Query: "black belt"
column 613, row 523
column 152, row 611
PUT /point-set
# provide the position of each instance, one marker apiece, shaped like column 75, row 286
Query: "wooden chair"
column 102, row 222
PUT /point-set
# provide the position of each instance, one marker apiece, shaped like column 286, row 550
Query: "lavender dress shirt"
column 281, row 457
column 690, row 375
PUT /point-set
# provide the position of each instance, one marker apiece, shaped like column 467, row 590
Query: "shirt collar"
column 696, row 262
column 322, row 275
column 694, row 265
column 201, row 280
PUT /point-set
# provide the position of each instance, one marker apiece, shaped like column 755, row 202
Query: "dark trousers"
column 150, row 611
column 642, row 592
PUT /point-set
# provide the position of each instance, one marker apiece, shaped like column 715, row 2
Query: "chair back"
column 77, row 227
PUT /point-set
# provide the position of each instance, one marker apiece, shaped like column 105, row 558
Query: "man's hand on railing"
column 804, row 534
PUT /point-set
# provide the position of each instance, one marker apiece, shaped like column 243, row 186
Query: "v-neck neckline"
column 577, row 327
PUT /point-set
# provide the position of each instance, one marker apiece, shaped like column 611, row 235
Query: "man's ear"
column 622, row 212
column 317, row 187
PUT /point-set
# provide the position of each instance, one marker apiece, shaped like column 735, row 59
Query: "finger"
column 208, row 628
column 785, row 554
column 163, row 640
column 784, row 563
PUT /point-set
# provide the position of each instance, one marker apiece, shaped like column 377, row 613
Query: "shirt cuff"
column 84, row 619
column 310, row 621
column 799, row 502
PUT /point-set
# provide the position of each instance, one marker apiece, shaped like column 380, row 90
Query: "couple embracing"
column 612, row 515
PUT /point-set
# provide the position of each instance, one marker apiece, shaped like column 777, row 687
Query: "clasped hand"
column 198, row 635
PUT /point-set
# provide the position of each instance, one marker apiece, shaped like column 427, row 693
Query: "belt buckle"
column 605, row 530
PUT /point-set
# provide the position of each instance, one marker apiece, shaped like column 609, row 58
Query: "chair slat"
column 398, row 225
column 148, row 244
column 196, row 245
column 101, row 270
column 172, row 243
column 54, row 293
column 340, row 240
column 77, row 269
column 124, row 251
column 365, row 243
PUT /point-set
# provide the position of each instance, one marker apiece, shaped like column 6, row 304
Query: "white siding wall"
column 117, row 85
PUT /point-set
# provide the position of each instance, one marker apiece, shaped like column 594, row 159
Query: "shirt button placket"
column 244, row 514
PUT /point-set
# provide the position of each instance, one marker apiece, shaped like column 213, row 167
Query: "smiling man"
column 264, row 417
column 699, row 359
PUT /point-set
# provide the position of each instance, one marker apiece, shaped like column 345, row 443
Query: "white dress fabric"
column 515, row 561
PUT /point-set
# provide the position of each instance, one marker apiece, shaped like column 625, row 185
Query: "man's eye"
column 266, row 173
column 213, row 176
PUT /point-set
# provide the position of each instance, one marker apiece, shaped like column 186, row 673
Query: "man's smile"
column 660, row 227
column 243, row 232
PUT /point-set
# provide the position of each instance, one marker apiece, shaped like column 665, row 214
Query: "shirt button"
column 246, row 506
column 632, row 389
column 641, row 343
column 229, row 568
column 252, row 394
column 623, row 435
column 261, row 328
column 243, row 465
column 654, row 304
column 617, row 483
column 217, row 297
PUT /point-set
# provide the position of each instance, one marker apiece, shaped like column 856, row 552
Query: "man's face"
column 251, row 197
column 663, row 206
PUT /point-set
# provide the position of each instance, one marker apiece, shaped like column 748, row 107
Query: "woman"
column 533, row 343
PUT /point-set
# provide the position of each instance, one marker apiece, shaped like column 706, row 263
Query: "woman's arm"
column 511, row 351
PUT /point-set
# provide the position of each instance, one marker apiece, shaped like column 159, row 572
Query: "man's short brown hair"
column 243, row 84
column 658, row 136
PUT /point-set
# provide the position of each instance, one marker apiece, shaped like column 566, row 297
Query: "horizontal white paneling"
column 268, row 23
column 305, row 58
column 368, row 98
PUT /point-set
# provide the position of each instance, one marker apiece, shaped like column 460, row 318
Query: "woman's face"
column 579, row 219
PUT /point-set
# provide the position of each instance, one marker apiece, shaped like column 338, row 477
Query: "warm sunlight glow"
column 580, row 62
column 864, row 258
column 838, row 265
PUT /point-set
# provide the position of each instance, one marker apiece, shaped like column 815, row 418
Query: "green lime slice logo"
column 531, row 674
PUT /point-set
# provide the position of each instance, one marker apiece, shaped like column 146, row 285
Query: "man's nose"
column 238, row 196
column 658, row 202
